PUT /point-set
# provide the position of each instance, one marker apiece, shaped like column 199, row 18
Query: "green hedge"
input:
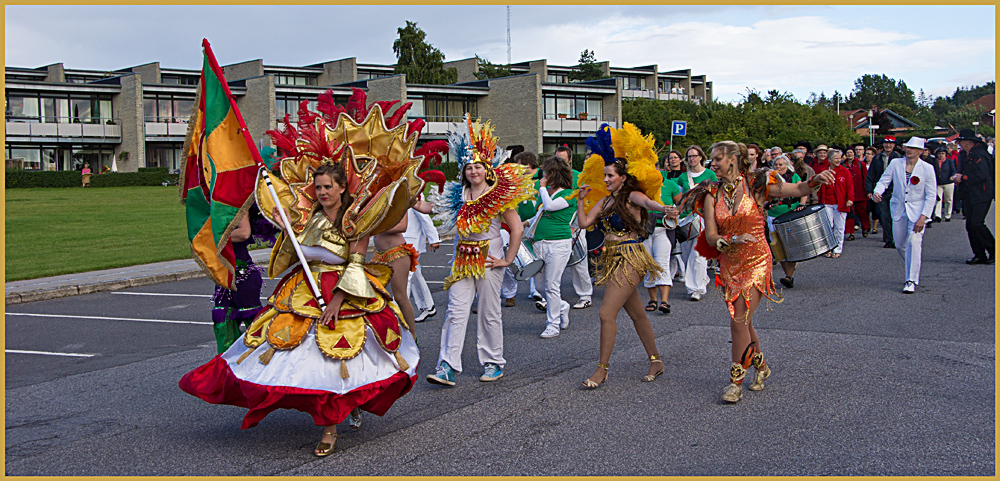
column 16, row 179
column 159, row 170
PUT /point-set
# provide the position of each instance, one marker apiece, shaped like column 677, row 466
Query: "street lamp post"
column 871, row 131
column 975, row 125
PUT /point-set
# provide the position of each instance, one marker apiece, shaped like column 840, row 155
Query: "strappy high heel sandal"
column 587, row 383
column 354, row 419
column 326, row 449
column 652, row 377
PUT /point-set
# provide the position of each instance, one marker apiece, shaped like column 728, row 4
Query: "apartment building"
column 59, row 119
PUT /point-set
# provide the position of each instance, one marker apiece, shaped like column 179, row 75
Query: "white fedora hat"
column 915, row 142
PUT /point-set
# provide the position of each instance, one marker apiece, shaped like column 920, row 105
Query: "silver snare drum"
column 579, row 253
column 805, row 234
column 688, row 228
column 526, row 263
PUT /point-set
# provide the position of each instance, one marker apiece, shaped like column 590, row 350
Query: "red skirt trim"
column 215, row 383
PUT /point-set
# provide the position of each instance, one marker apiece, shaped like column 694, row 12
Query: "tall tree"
column 420, row 61
column 587, row 68
column 488, row 70
column 870, row 90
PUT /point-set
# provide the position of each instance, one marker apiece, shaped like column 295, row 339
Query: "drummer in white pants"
column 554, row 241
column 421, row 233
column 913, row 197
column 579, row 272
column 660, row 247
column 696, row 268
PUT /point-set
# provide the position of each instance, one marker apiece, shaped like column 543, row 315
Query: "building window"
column 51, row 157
column 559, row 78
column 295, row 79
column 437, row 108
column 570, row 106
column 164, row 155
column 289, row 104
column 167, row 108
column 180, row 79
column 47, row 108
column 367, row 75
column 578, row 146
column 633, row 82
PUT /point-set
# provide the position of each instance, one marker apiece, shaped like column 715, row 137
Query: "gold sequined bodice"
column 748, row 265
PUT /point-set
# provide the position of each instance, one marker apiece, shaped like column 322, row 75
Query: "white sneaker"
column 582, row 304
column 564, row 315
column 695, row 296
column 535, row 296
column 425, row 314
column 909, row 288
column 541, row 305
column 550, row 331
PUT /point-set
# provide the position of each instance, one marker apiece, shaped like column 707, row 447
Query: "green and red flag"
column 219, row 173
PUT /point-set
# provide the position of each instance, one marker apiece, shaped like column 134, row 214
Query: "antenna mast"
column 508, row 35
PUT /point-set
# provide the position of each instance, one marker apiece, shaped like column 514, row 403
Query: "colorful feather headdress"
column 628, row 143
column 377, row 151
column 475, row 142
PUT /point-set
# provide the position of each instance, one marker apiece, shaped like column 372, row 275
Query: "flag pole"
column 291, row 236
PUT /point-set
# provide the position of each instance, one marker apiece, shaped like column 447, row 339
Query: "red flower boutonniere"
column 914, row 180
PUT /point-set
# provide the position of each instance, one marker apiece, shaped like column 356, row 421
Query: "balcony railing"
column 567, row 125
column 63, row 127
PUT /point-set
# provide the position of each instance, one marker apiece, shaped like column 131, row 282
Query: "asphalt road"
column 866, row 381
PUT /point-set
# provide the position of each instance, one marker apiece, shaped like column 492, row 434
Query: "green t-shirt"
column 707, row 174
column 554, row 225
column 526, row 209
column 575, row 175
column 785, row 208
column 667, row 193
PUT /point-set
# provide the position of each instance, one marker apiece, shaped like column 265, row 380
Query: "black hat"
column 804, row 143
column 968, row 134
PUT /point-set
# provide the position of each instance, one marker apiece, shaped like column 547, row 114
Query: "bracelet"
column 356, row 258
column 721, row 244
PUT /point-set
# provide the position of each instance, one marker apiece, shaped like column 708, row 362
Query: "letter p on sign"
column 678, row 127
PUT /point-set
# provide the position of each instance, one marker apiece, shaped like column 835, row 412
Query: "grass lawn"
column 60, row 231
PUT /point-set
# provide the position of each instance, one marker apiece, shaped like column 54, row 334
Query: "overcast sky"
column 797, row 49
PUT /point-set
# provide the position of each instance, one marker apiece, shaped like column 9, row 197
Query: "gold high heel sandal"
column 587, row 383
column 326, row 449
column 652, row 377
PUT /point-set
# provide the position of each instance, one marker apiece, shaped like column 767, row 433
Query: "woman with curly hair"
column 623, row 264
column 734, row 232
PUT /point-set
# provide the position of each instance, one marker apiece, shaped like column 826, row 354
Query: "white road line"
column 434, row 282
column 65, row 316
column 67, row 354
column 162, row 294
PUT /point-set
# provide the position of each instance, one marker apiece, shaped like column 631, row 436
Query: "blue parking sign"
column 679, row 127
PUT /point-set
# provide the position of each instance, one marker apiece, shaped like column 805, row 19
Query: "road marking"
column 434, row 282
column 161, row 294
column 43, row 353
column 65, row 316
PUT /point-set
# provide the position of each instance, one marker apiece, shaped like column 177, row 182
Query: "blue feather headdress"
column 600, row 144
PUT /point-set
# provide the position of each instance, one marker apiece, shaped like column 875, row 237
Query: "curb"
column 66, row 291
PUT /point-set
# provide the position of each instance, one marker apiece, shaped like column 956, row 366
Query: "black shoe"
column 937, row 219
column 929, row 225
column 787, row 281
column 889, row 245
column 948, row 219
column 978, row 260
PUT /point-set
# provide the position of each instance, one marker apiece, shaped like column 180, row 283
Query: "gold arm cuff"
column 353, row 280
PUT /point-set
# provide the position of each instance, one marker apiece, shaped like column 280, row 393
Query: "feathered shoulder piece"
column 510, row 183
column 694, row 200
column 592, row 175
column 762, row 179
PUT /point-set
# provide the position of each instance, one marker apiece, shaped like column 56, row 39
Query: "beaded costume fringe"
column 470, row 261
column 619, row 255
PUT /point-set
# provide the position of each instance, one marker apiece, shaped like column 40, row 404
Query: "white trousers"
column 489, row 327
column 696, row 275
column 555, row 253
column 659, row 246
column 909, row 245
column 417, row 286
column 839, row 222
column 580, row 274
column 946, row 194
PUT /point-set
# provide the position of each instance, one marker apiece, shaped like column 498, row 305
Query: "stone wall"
column 239, row 71
column 257, row 107
column 339, row 71
column 514, row 105
column 127, row 107
column 466, row 68
column 150, row 73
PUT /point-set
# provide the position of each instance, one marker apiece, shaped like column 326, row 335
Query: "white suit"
column 910, row 199
column 420, row 231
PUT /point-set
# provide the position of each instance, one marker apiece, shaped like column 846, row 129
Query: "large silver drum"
column 526, row 264
column 688, row 228
column 579, row 253
column 805, row 234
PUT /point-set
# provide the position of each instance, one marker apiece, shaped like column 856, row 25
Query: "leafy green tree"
column 421, row 62
column 870, row 90
column 965, row 96
column 587, row 68
column 488, row 70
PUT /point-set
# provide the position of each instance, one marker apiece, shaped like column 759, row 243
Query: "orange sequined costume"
column 744, row 266
column 387, row 256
